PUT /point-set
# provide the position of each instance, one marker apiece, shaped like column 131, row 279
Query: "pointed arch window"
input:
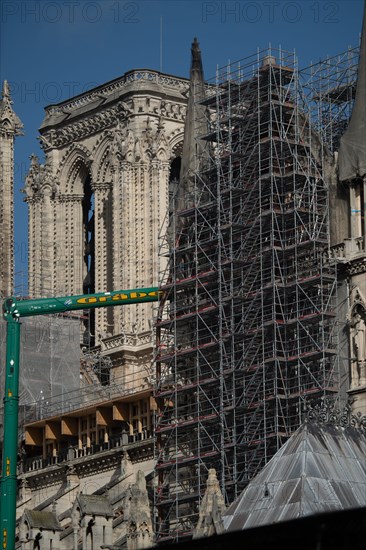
column 89, row 237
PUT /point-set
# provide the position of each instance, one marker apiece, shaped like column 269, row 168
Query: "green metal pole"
column 10, row 443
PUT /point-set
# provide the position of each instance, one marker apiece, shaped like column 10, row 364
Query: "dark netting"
column 49, row 363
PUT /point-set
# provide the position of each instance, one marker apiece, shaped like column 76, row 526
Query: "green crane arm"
column 25, row 308
column 13, row 310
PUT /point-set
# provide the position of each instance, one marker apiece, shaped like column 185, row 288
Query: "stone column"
column 122, row 177
column 37, row 250
column 364, row 213
column 75, row 245
column 46, row 282
column 33, row 265
column 355, row 202
column 102, row 213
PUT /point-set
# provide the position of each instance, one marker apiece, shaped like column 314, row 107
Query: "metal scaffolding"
column 329, row 90
column 246, row 330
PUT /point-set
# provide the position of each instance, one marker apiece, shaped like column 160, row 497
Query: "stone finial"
column 139, row 530
column 196, row 59
column 6, row 92
column 212, row 508
column 9, row 121
column 40, row 179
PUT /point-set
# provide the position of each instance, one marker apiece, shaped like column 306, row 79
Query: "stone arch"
column 175, row 168
column 175, row 141
column 6, row 124
column 358, row 302
column 101, row 158
column 161, row 154
column 74, row 167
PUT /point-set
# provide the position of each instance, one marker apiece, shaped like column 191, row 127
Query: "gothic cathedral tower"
column 97, row 203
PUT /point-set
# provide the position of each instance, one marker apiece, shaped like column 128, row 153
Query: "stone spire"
column 212, row 508
column 196, row 62
column 6, row 91
column 352, row 151
column 9, row 122
column 192, row 147
column 10, row 126
column 140, row 530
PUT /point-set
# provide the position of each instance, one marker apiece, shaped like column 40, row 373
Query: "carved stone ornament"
column 359, row 299
column 81, row 129
column 40, row 179
column 10, row 123
column 357, row 266
column 325, row 412
column 149, row 145
column 357, row 327
column 100, row 121
column 179, row 85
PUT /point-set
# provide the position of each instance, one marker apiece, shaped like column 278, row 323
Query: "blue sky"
column 54, row 49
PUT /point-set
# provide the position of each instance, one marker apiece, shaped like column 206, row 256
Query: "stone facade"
column 10, row 127
column 350, row 247
column 350, row 255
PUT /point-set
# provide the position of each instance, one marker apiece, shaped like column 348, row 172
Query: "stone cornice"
column 350, row 256
column 92, row 123
column 141, row 450
column 70, row 198
column 83, row 466
column 101, row 186
column 128, row 342
column 79, row 129
column 143, row 75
